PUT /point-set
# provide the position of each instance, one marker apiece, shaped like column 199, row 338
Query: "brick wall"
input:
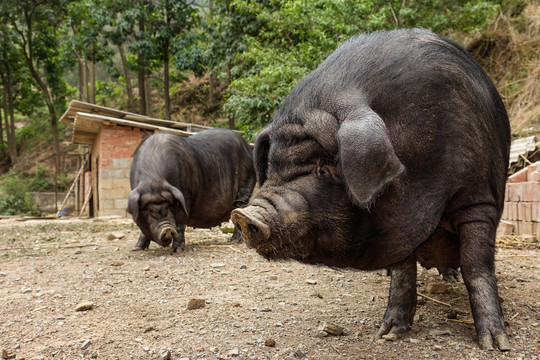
column 522, row 202
column 118, row 143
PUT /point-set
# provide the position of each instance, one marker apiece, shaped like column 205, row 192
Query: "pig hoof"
column 502, row 342
column 485, row 342
column 390, row 333
column 137, row 248
column 449, row 274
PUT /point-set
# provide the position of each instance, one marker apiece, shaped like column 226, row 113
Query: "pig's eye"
column 323, row 168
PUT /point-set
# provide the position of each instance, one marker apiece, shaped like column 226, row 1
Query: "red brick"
column 515, row 211
column 527, row 227
column 505, row 228
column 504, row 215
column 518, row 177
column 537, row 206
column 524, row 211
column 532, row 168
column 528, row 191
column 517, row 190
column 507, row 192
column 534, row 211
column 534, row 176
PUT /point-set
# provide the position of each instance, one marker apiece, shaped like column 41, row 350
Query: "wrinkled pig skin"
column 394, row 150
column 196, row 181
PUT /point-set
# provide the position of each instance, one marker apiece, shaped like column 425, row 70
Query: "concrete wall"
column 117, row 146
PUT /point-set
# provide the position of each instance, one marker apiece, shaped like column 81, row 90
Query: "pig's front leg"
column 179, row 243
column 401, row 307
column 142, row 243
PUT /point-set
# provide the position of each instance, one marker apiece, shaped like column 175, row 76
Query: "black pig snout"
column 254, row 231
column 166, row 234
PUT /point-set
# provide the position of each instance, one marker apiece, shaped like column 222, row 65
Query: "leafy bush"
column 14, row 196
column 40, row 181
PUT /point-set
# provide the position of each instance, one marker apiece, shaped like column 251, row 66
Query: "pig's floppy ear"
column 133, row 203
column 177, row 194
column 367, row 157
column 260, row 154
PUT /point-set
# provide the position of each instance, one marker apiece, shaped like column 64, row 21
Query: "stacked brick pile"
column 521, row 214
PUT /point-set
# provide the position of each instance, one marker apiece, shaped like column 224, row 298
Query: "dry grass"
column 510, row 52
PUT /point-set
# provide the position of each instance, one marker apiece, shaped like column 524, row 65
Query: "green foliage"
column 34, row 132
column 14, row 196
column 283, row 40
column 40, row 180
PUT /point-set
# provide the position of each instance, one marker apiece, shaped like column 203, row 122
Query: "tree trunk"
column 213, row 81
column 148, row 95
column 166, row 46
column 141, row 76
column 28, row 52
column 9, row 115
column 166, row 81
column 83, row 79
column 129, row 89
column 92, row 75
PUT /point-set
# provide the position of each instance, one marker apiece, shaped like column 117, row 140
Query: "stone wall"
column 45, row 202
column 522, row 203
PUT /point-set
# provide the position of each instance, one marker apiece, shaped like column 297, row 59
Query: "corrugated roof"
column 523, row 152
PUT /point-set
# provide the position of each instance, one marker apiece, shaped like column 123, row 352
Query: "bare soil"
column 253, row 309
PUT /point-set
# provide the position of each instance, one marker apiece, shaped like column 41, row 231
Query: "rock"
column 164, row 354
column 217, row 265
column 234, row 352
column 115, row 235
column 311, row 282
column 86, row 344
column 117, row 263
column 194, row 304
column 298, row 354
column 3, row 354
column 436, row 288
column 331, row 329
column 270, row 342
column 85, row 306
column 321, row 334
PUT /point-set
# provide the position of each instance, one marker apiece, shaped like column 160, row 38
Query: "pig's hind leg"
column 142, row 243
column 401, row 307
column 478, row 272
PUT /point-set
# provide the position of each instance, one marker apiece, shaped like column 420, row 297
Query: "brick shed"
column 110, row 137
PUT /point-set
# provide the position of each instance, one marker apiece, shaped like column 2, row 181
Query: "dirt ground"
column 137, row 302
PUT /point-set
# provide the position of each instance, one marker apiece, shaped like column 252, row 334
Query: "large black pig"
column 394, row 150
column 195, row 181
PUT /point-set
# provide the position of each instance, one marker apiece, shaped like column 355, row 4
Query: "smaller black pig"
column 195, row 181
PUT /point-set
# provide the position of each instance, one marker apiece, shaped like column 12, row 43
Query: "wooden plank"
column 71, row 188
column 101, row 118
